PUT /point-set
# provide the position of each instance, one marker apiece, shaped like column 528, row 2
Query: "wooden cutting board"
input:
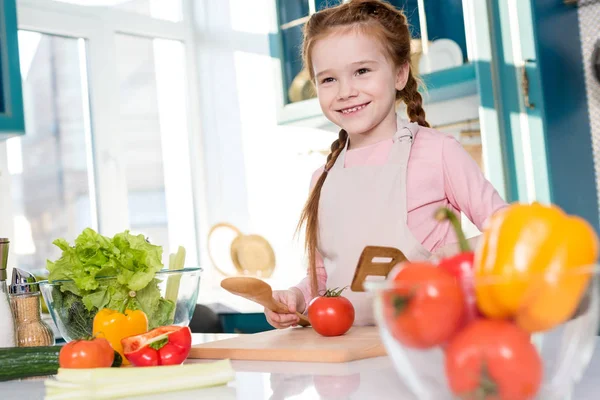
column 295, row 344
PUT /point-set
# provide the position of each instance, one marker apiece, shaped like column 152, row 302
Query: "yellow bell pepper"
column 533, row 265
column 116, row 325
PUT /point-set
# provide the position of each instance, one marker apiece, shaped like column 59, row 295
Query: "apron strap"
column 406, row 130
column 403, row 140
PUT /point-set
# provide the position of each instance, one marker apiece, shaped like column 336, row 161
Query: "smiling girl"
column 385, row 175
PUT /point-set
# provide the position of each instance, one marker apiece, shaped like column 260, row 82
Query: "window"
column 169, row 10
column 107, row 126
column 52, row 182
column 151, row 78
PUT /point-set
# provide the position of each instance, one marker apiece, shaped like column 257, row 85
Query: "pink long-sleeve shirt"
column 439, row 173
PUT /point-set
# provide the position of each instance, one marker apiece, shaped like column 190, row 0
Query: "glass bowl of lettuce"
column 100, row 272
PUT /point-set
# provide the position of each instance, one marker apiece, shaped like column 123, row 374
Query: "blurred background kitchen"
column 193, row 123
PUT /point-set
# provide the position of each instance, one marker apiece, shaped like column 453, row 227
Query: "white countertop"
column 259, row 380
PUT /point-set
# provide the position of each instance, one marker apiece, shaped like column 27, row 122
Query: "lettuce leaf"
column 103, row 271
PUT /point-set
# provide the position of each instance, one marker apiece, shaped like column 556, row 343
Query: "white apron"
column 362, row 206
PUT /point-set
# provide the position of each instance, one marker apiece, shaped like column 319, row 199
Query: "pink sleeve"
column 465, row 185
column 304, row 285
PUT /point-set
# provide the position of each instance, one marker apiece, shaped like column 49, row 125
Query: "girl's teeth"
column 349, row 110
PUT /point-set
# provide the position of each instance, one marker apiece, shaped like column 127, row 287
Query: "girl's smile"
column 353, row 110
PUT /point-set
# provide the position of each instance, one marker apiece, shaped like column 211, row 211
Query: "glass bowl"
column 565, row 349
column 74, row 320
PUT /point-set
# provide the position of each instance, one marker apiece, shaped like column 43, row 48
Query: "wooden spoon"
column 260, row 292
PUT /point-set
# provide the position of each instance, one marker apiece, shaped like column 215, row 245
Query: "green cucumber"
column 24, row 362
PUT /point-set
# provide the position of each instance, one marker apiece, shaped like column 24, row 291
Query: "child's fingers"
column 287, row 298
column 280, row 321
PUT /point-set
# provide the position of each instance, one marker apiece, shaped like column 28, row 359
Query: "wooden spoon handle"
column 303, row 320
column 282, row 308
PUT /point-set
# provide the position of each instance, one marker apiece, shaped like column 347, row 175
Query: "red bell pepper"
column 166, row 345
column 461, row 264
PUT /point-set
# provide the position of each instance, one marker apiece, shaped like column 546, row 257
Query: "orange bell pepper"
column 116, row 325
column 533, row 265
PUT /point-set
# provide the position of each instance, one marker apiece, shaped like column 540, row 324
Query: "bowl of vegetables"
column 123, row 272
column 516, row 319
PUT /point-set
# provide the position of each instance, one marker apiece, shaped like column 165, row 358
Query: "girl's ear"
column 402, row 76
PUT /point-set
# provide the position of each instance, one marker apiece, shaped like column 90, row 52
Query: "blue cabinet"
column 12, row 121
column 235, row 322
column 553, row 153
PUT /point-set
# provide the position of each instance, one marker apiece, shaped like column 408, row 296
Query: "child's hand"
column 290, row 299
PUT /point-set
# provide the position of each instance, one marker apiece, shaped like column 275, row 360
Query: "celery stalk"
column 83, row 375
column 139, row 388
column 176, row 261
column 124, row 382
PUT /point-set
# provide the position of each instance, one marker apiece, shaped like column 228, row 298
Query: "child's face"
column 356, row 83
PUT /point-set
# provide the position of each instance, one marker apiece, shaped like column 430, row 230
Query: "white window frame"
column 98, row 25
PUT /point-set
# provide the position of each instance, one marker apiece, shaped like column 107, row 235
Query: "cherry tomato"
column 331, row 314
column 494, row 358
column 94, row 353
column 425, row 307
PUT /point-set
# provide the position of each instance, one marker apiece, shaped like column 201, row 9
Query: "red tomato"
column 494, row 357
column 331, row 314
column 426, row 306
column 94, row 353
column 167, row 345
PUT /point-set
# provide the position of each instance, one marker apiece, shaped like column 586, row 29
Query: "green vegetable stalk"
column 112, row 383
column 176, row 262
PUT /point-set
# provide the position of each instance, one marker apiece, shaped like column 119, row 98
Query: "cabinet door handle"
column 525, row 87
column 580, row 3
column 596, row 60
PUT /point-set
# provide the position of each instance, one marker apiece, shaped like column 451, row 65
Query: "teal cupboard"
column 12, row 121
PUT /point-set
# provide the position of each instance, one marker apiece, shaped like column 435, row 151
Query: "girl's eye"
column 326, row 80
column 362, row 71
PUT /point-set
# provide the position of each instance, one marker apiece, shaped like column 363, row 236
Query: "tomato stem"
column 445, row 213
column 337, row 292
column 487, row 387
column 399, row 303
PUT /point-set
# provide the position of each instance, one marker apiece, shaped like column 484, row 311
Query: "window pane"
column 169, row 10
column 153, row 121
column 50, row 166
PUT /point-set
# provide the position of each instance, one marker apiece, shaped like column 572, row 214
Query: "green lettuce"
column 102, row 273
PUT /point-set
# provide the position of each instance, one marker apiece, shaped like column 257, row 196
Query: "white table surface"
column 260, row 380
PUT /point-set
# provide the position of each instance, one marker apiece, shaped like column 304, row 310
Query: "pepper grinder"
column 7, row 323
column 25, row 301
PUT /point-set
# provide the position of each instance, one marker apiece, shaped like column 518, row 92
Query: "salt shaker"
column 25, row 301
column 7, row 324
